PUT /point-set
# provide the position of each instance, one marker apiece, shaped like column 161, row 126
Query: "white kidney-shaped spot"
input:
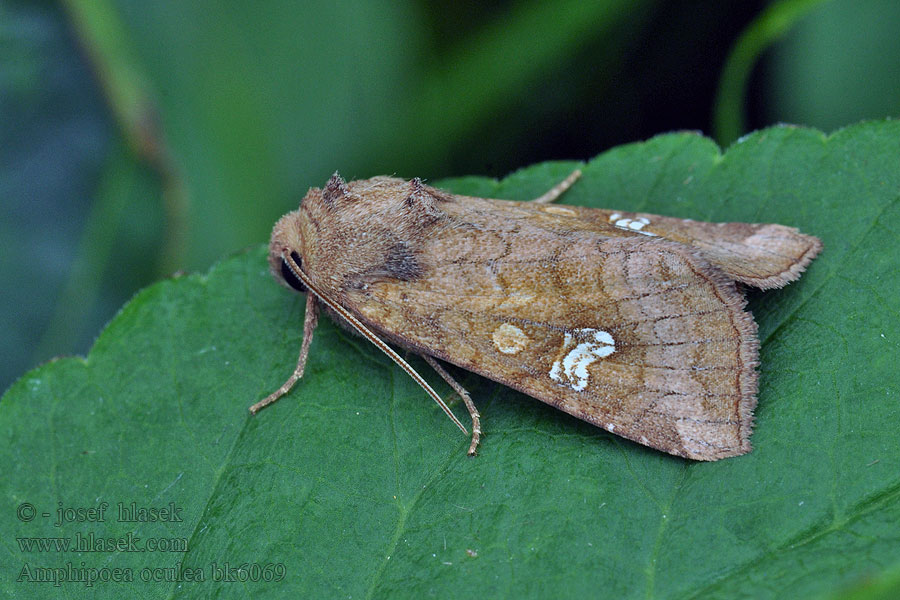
column 509, row 339
column 582, row 347
column 627, row 224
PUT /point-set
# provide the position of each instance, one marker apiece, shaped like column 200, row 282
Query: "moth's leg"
column 309, row 325
column 473, row 412
column 557, row 190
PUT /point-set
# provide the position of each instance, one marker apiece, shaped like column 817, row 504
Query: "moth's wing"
column 638, row 335
column 762, row 255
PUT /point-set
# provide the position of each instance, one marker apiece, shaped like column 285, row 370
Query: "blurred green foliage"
column 140, row 137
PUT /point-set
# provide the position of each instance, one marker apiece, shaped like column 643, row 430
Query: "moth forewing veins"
column 585, row 326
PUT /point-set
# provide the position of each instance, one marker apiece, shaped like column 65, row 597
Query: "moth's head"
column 286, row 251
column 294, row 240
column 347, row 235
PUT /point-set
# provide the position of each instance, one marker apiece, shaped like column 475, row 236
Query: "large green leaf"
column 359, row 486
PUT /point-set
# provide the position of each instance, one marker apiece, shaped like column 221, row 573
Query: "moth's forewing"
column 638, row 335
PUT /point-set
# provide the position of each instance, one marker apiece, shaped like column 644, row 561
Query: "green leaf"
column 358, row 486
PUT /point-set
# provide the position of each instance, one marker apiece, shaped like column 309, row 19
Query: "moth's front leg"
column 309, row 326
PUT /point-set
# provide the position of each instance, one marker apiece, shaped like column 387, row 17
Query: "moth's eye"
column 288, row 274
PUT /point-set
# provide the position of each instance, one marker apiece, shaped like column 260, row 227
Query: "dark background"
column 140, row 137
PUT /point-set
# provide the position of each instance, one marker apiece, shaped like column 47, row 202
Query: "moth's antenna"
column 366, row 333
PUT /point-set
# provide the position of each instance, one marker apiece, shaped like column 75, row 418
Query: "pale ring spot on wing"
column 509, row 339
column 559, row 210
column 581, row 347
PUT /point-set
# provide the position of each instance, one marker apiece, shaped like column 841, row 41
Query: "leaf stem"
column 728, row 112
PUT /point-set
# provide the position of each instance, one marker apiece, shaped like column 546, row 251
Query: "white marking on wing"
column 589, row 345
column 627, row 224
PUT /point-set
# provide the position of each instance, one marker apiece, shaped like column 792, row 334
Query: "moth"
column 633, row 322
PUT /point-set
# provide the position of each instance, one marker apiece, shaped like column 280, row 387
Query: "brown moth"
column 633, row 322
